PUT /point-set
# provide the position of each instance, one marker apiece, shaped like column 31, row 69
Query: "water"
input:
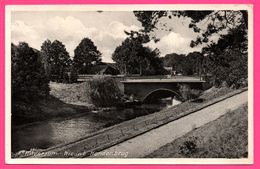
column 53, row 132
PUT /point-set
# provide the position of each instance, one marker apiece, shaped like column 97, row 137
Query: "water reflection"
column 51, row 133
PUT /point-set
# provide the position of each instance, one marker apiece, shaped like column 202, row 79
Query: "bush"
column 187, row 93
column 104, row 92
column 187, row 148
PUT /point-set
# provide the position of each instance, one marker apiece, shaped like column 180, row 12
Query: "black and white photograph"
column 130, row 84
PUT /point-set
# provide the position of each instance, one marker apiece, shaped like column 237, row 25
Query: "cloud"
column 70, row 31
column 20, row 31
column 173, row 43
column 107, row 55
column 116, row 29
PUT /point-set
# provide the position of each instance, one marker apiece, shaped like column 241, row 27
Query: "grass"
column 76, row 93
column 71, row 99
column 146, row 122
column 65, row 100
column 226, row 137
column 205, row 97
column 46, row 109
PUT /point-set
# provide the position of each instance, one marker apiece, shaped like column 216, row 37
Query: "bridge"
column 149, row 89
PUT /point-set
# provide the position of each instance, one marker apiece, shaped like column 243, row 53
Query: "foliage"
column 73, row 77
column 29, row 82
column 174, row 60
column 215, row 21
column 56, row 60
column 228, row 59
column 188, row 147
column 104, row 92
column 132, row 57
column 188, row 93
column 85, row 55
column 190, row 64
column 218, row 21
column 150, row 19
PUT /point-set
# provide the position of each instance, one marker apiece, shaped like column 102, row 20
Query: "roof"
column 101, row 68
column 113, row 65
column 97, row 69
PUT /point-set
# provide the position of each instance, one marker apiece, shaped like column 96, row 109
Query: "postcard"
column 129, row 84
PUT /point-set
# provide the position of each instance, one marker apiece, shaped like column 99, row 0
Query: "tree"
column 29, row 82
column 190, row 64
column 175, row 61
column 46, row 54
column 85, row 55
column 228, row 58
column 215, row 21
column 195, row 63
column 132, row 57
column 56, row 60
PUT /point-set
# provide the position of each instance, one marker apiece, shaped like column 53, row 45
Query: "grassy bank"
column 75, row 93
column 138, row 125
column 46, row 109
column 65, row 100
column 225, row 137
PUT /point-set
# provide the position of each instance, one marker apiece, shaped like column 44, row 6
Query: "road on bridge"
column 146, row 143
column 169, row 80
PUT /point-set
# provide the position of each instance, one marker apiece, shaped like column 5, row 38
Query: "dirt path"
column 146, row 143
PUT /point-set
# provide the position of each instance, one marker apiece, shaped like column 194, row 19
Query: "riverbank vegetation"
column 46, row 109
column 226, row 137
column 104, row 92
column 98, row 91
column 221, row 63
column 136, row 124
column 29, row 83
column 71, row 99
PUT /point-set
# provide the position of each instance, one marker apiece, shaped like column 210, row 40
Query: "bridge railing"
column 85, row 77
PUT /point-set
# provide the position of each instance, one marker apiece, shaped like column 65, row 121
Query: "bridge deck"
column 173, row 80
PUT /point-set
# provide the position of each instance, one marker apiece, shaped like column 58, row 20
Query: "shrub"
column 104, row 92
column 187, row 93
column 187, row 148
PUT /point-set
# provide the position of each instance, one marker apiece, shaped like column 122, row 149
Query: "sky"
column 105, row 29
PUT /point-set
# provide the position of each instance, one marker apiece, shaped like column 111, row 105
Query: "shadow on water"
column 53, row 132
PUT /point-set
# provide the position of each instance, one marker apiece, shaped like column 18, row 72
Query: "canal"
column 54, row 132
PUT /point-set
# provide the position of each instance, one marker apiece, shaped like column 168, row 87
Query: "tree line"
column 59, row 66
column 225, row 60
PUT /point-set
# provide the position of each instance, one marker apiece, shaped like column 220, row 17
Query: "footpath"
column 142, row 135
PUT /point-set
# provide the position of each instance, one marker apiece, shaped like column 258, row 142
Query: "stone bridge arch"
column 162, row 93
column 139, row 89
